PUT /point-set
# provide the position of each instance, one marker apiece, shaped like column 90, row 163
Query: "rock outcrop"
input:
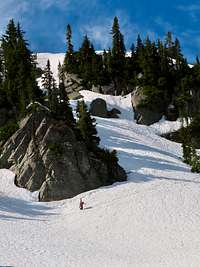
column 46, row 156
column 98, row 108
column 73, row 84
column 143, row 115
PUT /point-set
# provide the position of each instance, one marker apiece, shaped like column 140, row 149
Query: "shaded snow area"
column 152, row 220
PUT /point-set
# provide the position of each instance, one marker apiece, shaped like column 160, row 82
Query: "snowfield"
column 152, row 220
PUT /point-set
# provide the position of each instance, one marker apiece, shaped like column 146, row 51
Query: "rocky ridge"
column 46, row 156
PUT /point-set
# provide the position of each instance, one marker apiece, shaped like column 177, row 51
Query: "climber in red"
column 81, row 204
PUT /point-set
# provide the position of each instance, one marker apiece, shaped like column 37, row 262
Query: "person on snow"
column 81, row 204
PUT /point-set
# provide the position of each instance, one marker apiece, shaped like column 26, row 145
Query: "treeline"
column 158, row 67
column 19, row 88
column 18, row 72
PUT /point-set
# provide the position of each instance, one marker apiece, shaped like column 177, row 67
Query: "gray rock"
column 96, row 89
column 73, row 84
column 108, row 89
column 98, row 108
column 46, row 156
column 147, row 117
column 143, row 115
column 172, row 113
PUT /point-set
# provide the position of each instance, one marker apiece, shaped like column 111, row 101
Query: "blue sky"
column 45, row 21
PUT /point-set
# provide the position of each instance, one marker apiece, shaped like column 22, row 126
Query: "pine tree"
column 64, row 110
column 19, row 83
column 2, row 92
column 70, row 49
column 186, row 145
column 169, row 43
column 69, row 62
column 195, row 162
column 118, row 57
column 86, row 126
column 87, row 58
column 48, row 83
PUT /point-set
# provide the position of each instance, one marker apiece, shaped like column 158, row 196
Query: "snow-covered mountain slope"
column 152, row 220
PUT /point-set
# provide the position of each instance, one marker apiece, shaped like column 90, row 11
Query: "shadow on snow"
column 18, row 207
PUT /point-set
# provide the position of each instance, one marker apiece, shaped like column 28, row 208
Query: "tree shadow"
column 138, row 162
column 115, row 138
column 135, row 154
column 25, row 209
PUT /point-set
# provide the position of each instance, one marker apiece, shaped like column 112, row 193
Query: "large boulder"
column 142, row 114
column 98, row 108
column 46, row 156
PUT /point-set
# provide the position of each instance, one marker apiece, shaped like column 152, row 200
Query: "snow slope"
column 152, row 220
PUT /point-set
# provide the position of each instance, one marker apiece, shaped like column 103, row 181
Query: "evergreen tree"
column 169, row 44
column 48, row 83
column 69, row 62
column 19, row 81
column 64, row 110
column 87, row 59
column 70, row 49
column 195, row 162
column 2, row 92
column 117, row 57
column 86, row 126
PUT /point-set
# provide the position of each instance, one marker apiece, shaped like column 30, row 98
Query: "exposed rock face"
column 142, row 114
column 106, row 89
column 46, row 156
column 172, row 113
column 98, row 108
column 73, row 84
column 109, row 89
